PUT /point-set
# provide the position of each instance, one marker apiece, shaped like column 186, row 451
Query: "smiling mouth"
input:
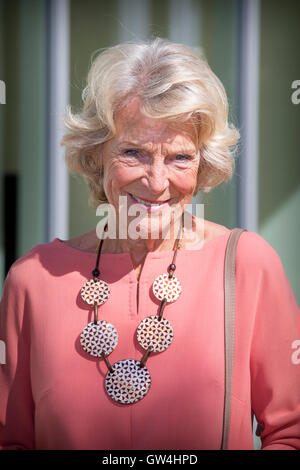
column 147, row 202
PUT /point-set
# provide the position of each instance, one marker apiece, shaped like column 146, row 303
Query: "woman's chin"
column 153, row 225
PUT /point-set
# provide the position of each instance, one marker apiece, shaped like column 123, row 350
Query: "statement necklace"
column 128, row 381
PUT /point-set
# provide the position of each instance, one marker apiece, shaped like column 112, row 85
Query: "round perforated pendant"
column 155, row 334
column 99, row 338
column 95, row 292
column 128, row 383
column 165, row 288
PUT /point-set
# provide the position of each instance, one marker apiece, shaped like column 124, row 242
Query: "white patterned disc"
column 99, row 338
column 95, row 291
column 155, row 334
column 128, row 383
column 165, row 288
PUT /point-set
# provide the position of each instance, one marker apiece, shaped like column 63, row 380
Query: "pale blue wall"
column 279, row 156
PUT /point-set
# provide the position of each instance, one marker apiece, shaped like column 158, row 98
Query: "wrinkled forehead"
column 132, row 125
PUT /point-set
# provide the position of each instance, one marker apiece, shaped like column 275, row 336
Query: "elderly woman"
column 115, row 338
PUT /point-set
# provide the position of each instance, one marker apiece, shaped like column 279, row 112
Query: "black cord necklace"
column 128, row 381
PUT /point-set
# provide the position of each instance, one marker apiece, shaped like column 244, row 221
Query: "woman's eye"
column 182, row 157
column 131, row 152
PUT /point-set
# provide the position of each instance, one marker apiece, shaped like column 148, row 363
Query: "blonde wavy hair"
column 172, row 82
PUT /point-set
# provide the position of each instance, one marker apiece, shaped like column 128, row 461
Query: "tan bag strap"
column 229, row 323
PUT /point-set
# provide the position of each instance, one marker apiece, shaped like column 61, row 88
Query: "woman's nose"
column 157, row 177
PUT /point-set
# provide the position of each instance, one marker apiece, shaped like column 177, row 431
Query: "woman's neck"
column 138, row 249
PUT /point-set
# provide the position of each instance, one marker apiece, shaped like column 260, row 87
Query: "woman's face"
column 150, row 160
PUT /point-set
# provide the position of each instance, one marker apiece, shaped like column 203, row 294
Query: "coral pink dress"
column 53, row 393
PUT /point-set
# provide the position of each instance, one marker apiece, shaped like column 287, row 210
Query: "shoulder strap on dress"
column 229, row 323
